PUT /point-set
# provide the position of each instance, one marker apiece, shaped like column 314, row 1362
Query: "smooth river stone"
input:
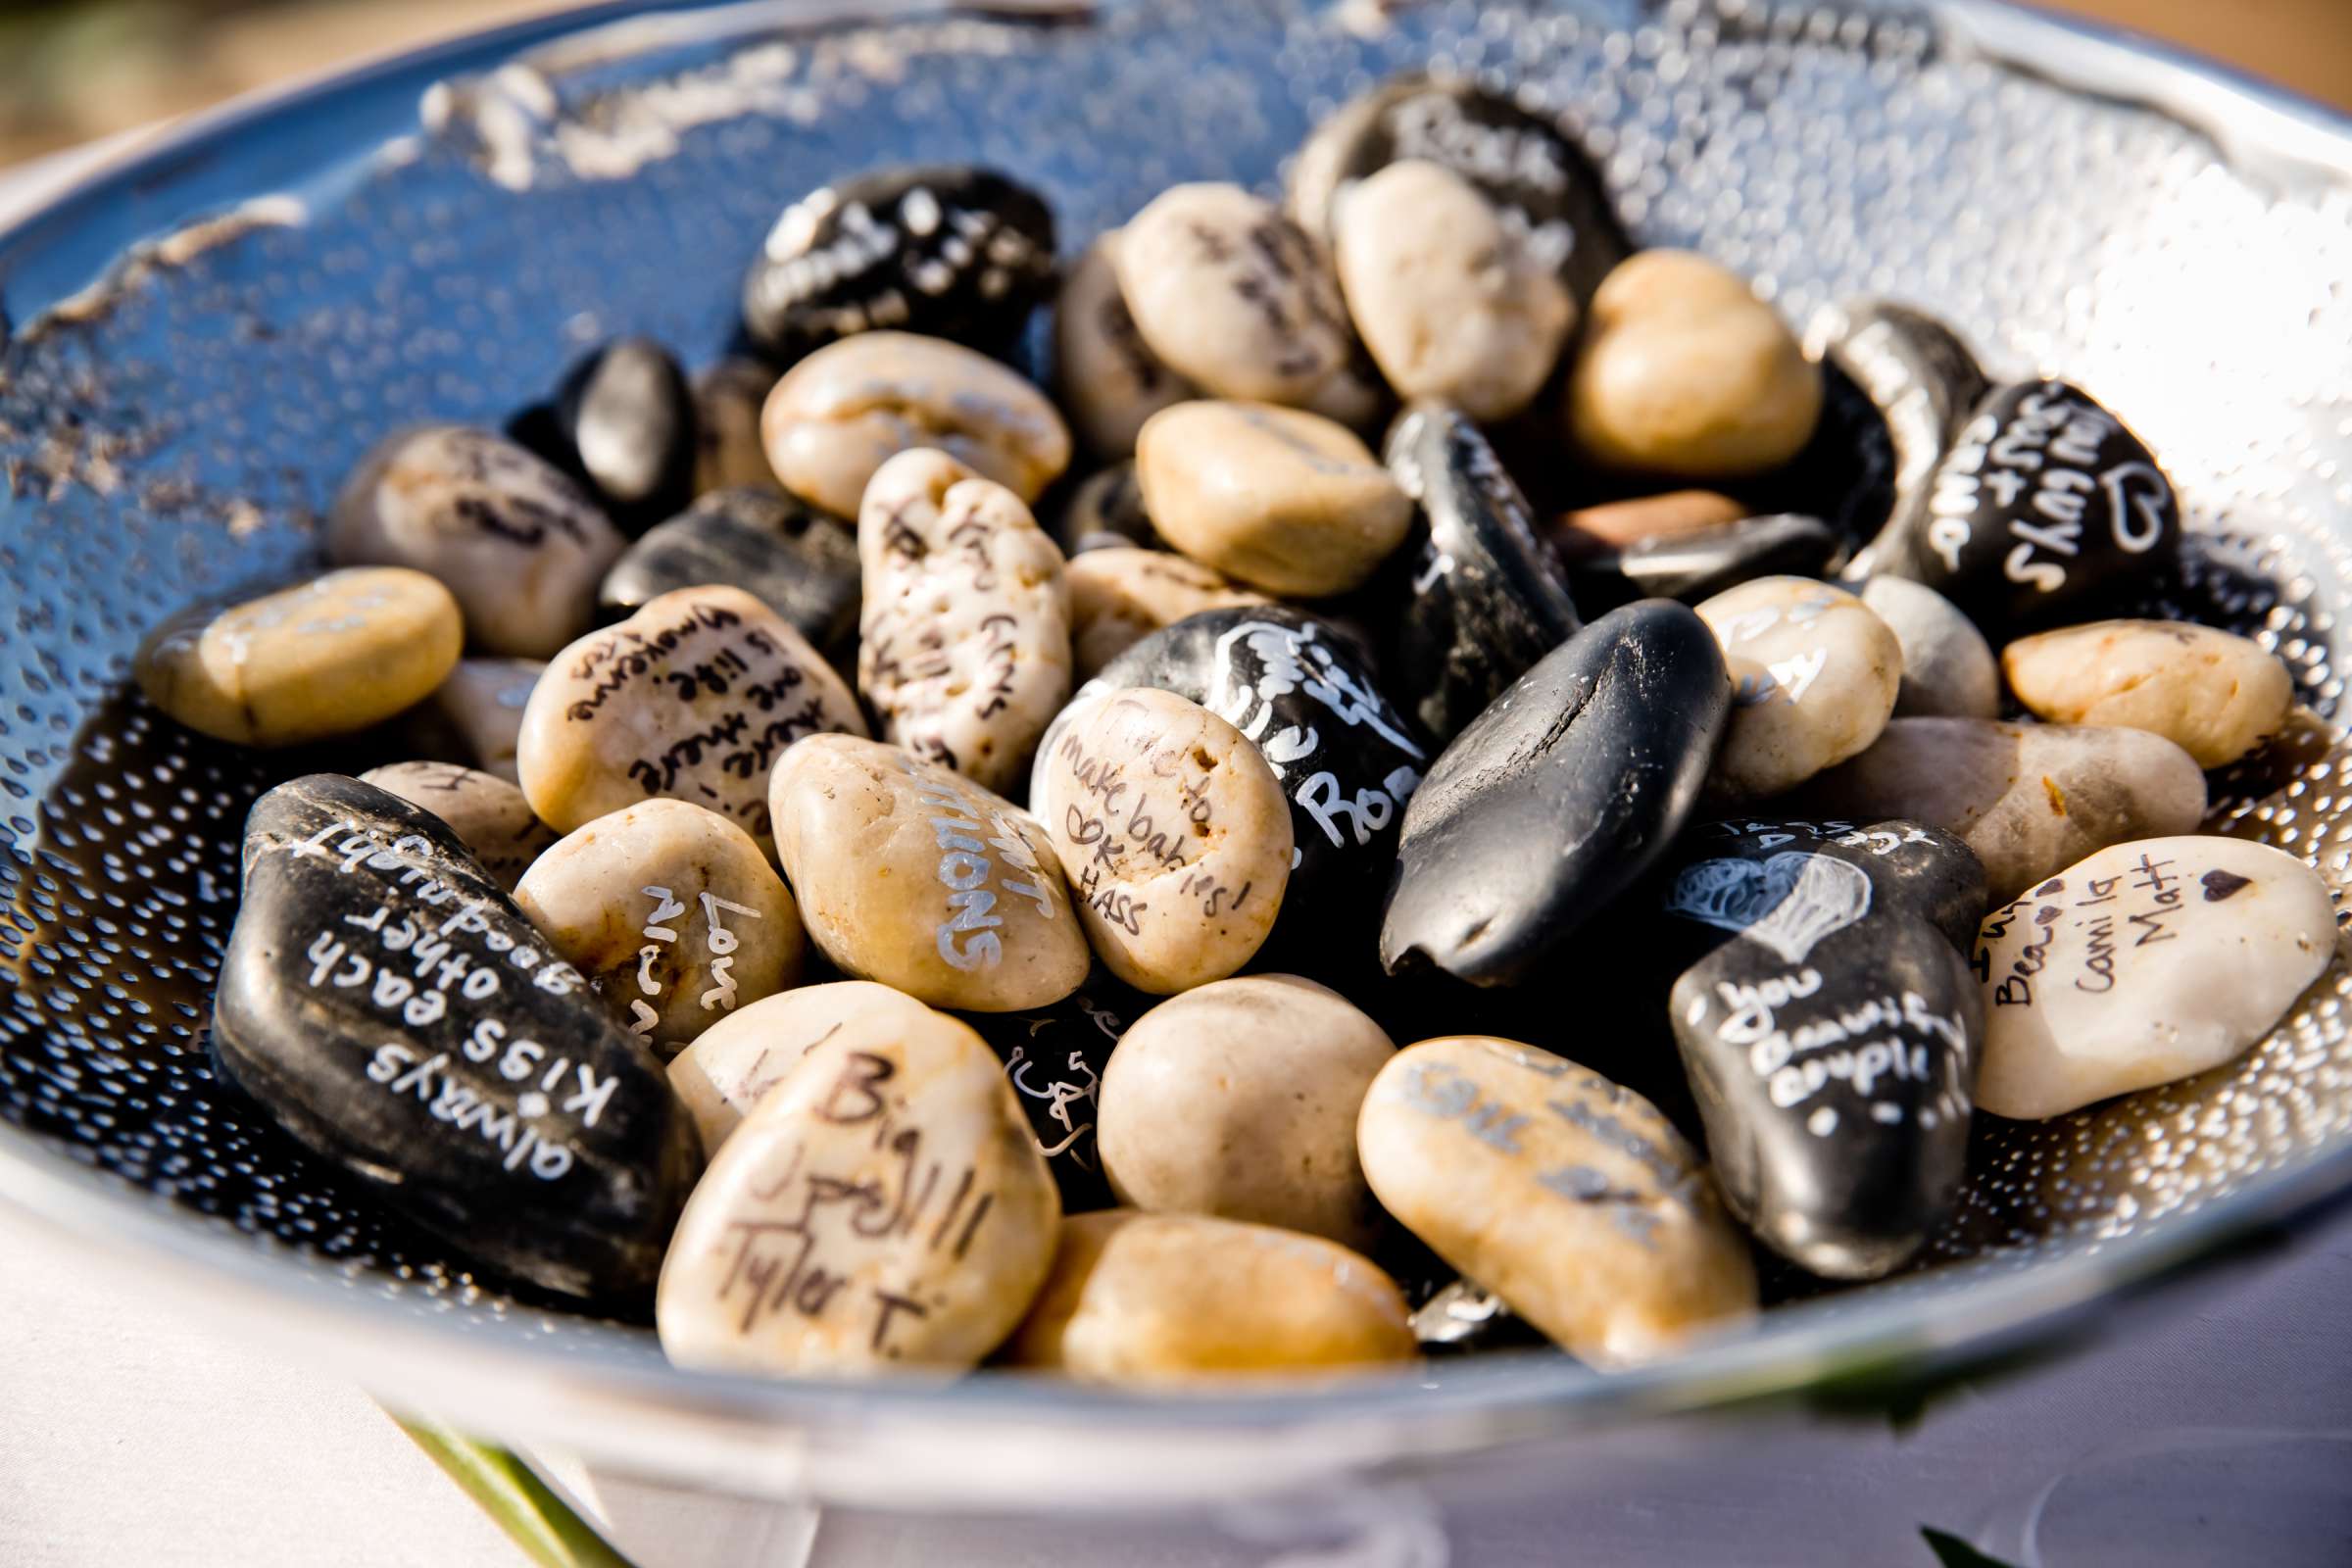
column 1833, row 1046
column 964, row 639
column 1053, row 1056
column 1608, row 526
column 1149, row 1301
column 520, row 545
column 2215, row 696
column 673, row 914
column 2030, row 799
column 852, row 406
column 727, row 1068
column 727, row 399
column 325, row 657
column 1814, row 676
column 1728, row 875
column 1480, row 599
column 1561, row 795
column 1696, row 566
column 883, row 1206
column 482, row 703
column 488, row 814
column 2142, row 964
column 1121, row 595
column 625, row 417
column 693, row 698
column 1569, row 1197
column 1173, row 832
column 390, row 1008
column 1919, row 377
column 799, row 561
column 1948, row 668
column 1277, row 498
column 1109, row 380
column 917, row 877
column 1106, row 512
column 1238, row 1099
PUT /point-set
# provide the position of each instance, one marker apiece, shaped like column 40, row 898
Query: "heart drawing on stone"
column 1788, row 903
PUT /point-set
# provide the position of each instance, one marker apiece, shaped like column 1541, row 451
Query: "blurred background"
column 75, row 70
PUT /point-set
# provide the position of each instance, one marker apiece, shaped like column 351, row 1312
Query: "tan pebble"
column 1151, row 1300
column 1119, row 595
column 917, row 877
column 325, row 657
column 852, row 406
column 487, row 813
column 2213, row 695
column 1104, row 510
column 1566, row 1195
column 1613, row 525
column 483, row 700
column 883, row 1206
column 673, row 914
column 728, row 451
column 1683, row 371
column 1108, row 377
column 1283, row 500
column 1238, row 1099
column 731, row 1065
column 521, row 546
column 1814, row 677
column 693, row 698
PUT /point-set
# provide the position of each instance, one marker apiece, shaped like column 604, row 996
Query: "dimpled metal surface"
column 439, row 239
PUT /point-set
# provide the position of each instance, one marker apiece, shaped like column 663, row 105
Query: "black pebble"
column 797, row 560
column 1726, row 874
column 1696, row 566
column 1845, row 473
column 622, row 424
column 1054, row 1057
column 1922, row 380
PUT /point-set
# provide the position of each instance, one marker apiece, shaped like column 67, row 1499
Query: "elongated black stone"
column 1921, row 379
column 799, row 561
column 627, row 417
column 1696, row 566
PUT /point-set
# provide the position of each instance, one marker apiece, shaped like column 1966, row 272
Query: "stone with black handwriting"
column 730, row 1067
column 799, row 561
column 1814, row 677
column 488, row 814
column 387, row 1004
column 1109, row 380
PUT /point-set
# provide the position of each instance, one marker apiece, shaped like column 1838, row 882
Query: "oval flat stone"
column 1480, row 599
column 916, row 877
column 1696, row 566
column 1277, row 498
column 514, row 540
column 2030, row 799
column 325, row 658
column 625, row 417
column 1238, row 1099
column 1727, row 875
column 1452, row 302
column 1120, row 595
column 482, row 703
column 1173, row 832
column 1919, row 377
column 671, row 913
column 949, row 250
column 693, row 698
column 1149, row 1301
column 1106, row 512
column 884, row 1206
column 389, row 1008
column 2215, row 696
column 851, row 407
column 964, row 638
column 799, row 561
column 1109, row 380
column 1558, row 797
column 728, row 451
column 1053, row 1056
column 1569, row 1197
column 730, row 1067
column 1231, row 295
column 1948, row 670
column 2144, row 963
column 487, row 813
column 1814, row 676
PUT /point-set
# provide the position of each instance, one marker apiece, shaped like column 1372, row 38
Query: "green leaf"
column 517, row 1501
column 1953, row 1553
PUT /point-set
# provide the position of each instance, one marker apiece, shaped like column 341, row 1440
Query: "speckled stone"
column 2213, row 695
column 1814, row 676
column 488, row 814
column 799, row 561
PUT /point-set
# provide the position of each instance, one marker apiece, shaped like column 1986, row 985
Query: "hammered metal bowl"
column 196, row 344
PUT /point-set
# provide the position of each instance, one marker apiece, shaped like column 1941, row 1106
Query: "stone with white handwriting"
column 1814, row 677
column 1121, row 595
column 1055, row 1055
column 693, row 698
column 673, row 913
column 1566, row 1195
column 730, row 1067
column 914, row 876
column 2146, row 962
column 1726, row 875
column 391, row 1008
column 883, row 1206
column 1920, row 378
column 2213, row 695
column 488, row 814
column 1108, row 377
column 1948, row 668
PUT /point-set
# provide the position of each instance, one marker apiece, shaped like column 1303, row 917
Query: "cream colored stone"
column 1238, row 1099
column 1173, row 832
column 1814, row 677
column 965, row 635
column 1450, row 299
column 325, row 658
column 1231, row 295
column 483, row 700
column 1279, row 499
column 673, row 914
column 731, row 1065
column 693, row 698
column 1119, row 595
column 1108, row 377
column 2213, row 695
column 1948, row 670
column 883, row 1206
column 2146, row 962
column 1569, row 1197
column 1154, row 1301
column 1683, row 371
column 521, row 546
column 917, row 877
column 852, row 406
column 487, row 813
column 729, row 454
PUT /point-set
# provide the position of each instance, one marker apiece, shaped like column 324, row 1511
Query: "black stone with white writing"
column 1924, row 382
column 391, row 1008
column 1727, row 875
column 1054, row 1057
column 797, row 560
column 1844, row 475
column 1476, row 594
column 1560, row 796
column 947, row 251
column 1696, row 566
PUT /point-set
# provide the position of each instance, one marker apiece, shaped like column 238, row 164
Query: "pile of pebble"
column 884, row 930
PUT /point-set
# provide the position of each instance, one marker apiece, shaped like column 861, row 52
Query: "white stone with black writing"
column 488, row 814
column 732, row 1066
column 1108, row 377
